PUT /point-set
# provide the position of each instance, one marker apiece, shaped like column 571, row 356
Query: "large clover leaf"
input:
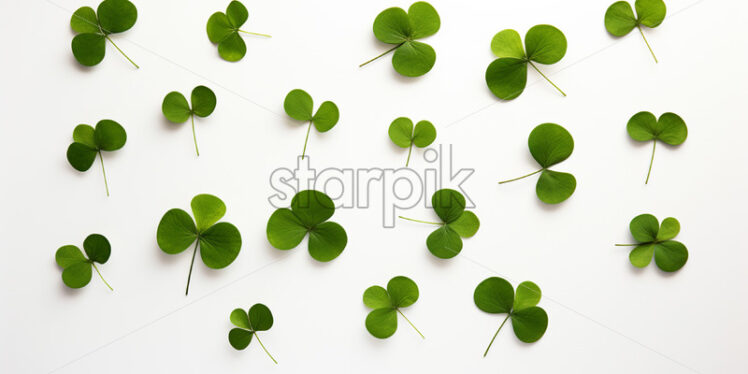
column 401, row 292
column 656, row 239
column 94, row 27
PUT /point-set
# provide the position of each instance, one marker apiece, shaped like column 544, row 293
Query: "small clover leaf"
column 656, row 239
column 219, row 243
column 457, row 223
column 248, row 323
column 404, row 135
column 669, row 129
column 177, row 110
column 92, row 30
column 401, row 292
column 620, row 19
column 298, row 105
column 550, row 144
column 309, row 214
column 76, row 268
column 395, row 26
column 88, row 142
column 506, row 76
column 224, row 28
column 495, row 295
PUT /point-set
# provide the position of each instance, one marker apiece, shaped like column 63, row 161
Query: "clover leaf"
column 401, row 292
column 298, row 105
column 94, row 27
column 76, row 267
column 394, row 26
column 88, row 142
column 655, row 239
column 257, row 318
column 224, row 28
column 404, row 135
column 507, row 76
column 177, row 110
column 457, row 223
column 550, row 144
column 669, row 129
column 620, row 19
column 309, row 214
column 495, row 295
column 219, row 242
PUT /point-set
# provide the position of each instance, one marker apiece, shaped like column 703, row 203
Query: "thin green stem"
column 647, row 43
column 496, row 334
column 103, row 171
column 546, row 78
column 410, row 150
column 651, row 161
column 411, row 323
column 386, row 52
column 419, row 221
column 626, row 245
column 306, row 140
column 524, row 176
column 189, row 276
column 254, row 33
column 194, row 137
column 120, row 51
column 263, row 347
column 102, row 278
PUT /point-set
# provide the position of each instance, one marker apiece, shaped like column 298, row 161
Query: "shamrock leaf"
column 299, row 105
column 177, row 110
column 404, row 135
column 401, row 292
column 669, row 129
column 223, row 29
column 620, row 19
column 88, row 142
column 445, row 242
column 656, row 239
column 93, row 28
column 76, row 267
column 394, row 26
column 495, row 295
column 550, row 144
column 507, row 76
column 309, row 214
column 258, row 318
column 219, row 242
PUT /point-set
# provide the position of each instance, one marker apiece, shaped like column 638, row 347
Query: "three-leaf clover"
column 655, row 238
column 88, row 142
column 620, row 19
column 298, row 105
column 309, row 214
column 507, row 76
column 404, row 135
column 94, row 27
column 457, row 223
column 495, row 295
column 248, row 323
column 394, row 26
column 76, row 268
column 669, row 129
column 223, row 29
column 219, row 242
column 177, row 110
column 550, row 144
column 401, row 292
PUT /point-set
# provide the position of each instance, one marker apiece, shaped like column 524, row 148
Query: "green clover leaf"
column 248, row 323
column 506, row 76
column 656, row 239
column 298, row 105
column 550, row 144
column 219, row 243
column 88, row 142
column 177, row 110
column 404, row 135
column 669, row 129
column 620, row 19
column 496, row 296
column 76, row 268
column 224, row 28
column 401, row 292
column 93, row 30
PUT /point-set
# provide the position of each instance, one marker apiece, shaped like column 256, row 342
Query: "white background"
column 605, row 316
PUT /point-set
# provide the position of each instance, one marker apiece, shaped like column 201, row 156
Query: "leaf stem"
column 254, row 33
column 651, row 161
column 120, row 51
column 386, row 52
column 410, row 150
column 194, row 137
column 263, row 347
column 189, row 276
column 102, row 278
column 546, row 78
column 626, row 245
column 524, row 176
column 647, row 43
column 103, row 171
column 419, row 221
column 496, row 334
column 306, row 140
column 411, row 323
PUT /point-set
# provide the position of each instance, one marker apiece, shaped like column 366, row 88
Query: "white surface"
column 604, row 315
